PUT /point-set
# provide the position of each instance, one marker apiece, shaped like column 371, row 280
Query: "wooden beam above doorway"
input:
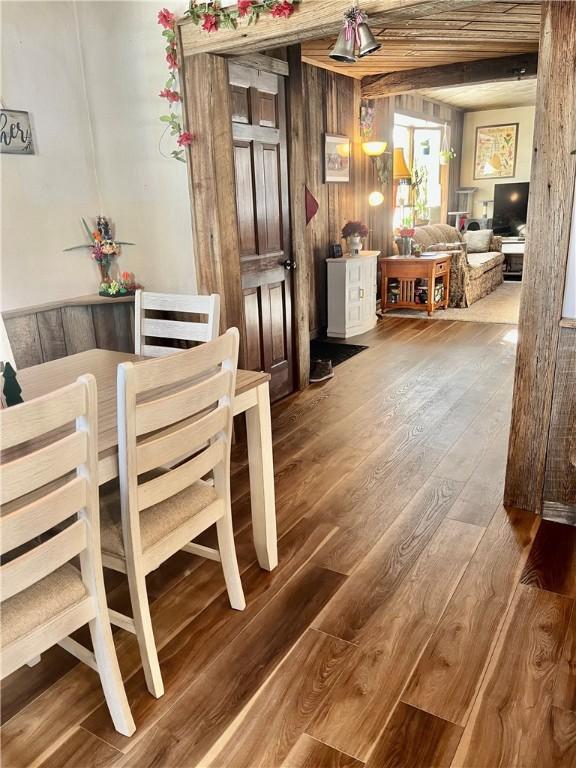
column 463, row 73
column 312, row 19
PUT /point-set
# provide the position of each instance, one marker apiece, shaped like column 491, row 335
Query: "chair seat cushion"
column 483, row 262
column 157, row 521
column 41, row 602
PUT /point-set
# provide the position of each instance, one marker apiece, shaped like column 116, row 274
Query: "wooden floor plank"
column 552, row 561
column 81, row 750
column 416, row 739
column 359, row 705
column 565, row 686
column 310, row 753
column 285, row 706
column 511, row 718
column 202, row 714
column 379, row 575
column 450, row 670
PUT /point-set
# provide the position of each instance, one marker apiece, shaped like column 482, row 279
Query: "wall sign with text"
column 15, row 133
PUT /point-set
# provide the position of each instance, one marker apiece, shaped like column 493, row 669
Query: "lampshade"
column 374, row 148
column 401, row 170
column 375, row 198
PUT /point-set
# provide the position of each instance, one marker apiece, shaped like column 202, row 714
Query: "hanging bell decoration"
column 355, row 38
column 368, row 43
column 344, row 48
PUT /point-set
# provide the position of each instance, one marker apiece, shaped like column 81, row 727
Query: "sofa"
column 472, row 275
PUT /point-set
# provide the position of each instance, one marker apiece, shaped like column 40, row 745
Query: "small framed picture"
column 337, row 151
column 15, row 133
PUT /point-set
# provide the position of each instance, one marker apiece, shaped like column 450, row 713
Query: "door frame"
column 207, row 114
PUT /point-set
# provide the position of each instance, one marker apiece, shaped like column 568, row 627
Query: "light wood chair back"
column 175, row 410
column 149, row 327
column 49, row 475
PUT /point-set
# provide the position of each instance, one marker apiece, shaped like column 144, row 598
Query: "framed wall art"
column 337, row 151
column 15, row 132
column 495, row 152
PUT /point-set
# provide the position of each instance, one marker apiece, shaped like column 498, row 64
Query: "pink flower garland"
column 167, row 20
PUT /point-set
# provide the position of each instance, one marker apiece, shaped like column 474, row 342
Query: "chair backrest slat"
column 38, row 516
column 19, row 477
column 28, row 421
column 163, row 411
column 42, row 560
column 153, row 374
column 175, row 329
column 167, row 446
column 169, row 484
column 179, row 330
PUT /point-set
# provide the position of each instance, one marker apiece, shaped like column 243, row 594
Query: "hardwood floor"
column 412, row 622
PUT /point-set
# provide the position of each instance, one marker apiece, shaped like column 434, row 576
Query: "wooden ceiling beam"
column 312, row 19
column 462, row 73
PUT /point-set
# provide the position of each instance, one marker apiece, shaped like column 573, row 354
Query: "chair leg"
column 110, row 677
column 230, row 563
column 144, row 633
column 34, row 661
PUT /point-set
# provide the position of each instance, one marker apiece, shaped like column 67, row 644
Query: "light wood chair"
column 173, row 329
column 169, row 408
column 44, row 483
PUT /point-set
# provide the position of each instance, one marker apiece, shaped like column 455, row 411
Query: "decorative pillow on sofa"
column 478, row 240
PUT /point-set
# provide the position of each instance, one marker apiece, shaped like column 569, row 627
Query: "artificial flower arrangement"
column 102, row 245
column 125, row 286
column 406, row 232
column 211, row 16
column 354, row 229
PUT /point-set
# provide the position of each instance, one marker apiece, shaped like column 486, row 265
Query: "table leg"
column 261, row 468
column 431, row 291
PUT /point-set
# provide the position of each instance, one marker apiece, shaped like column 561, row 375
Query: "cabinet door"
column 355, row 292
column 369, row 290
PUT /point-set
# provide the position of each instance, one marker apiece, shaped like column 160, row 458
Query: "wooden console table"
column 407, row 270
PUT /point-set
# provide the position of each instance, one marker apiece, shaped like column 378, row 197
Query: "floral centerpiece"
column 353, row 232
column 125, row 286
column 103, row 247
column 406, row 234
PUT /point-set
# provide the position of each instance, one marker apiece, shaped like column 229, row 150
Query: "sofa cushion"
column 478, row 241
column 483, row 262
column 432, row 234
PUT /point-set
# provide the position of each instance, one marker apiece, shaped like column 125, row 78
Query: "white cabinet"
column 352, row 294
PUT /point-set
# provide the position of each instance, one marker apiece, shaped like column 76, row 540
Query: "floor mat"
column 333, row 350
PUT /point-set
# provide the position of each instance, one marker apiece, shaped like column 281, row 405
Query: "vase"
column 354, row 244
column 104, row 267
column 406, row 246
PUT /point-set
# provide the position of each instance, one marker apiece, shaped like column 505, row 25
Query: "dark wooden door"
column 262, row 202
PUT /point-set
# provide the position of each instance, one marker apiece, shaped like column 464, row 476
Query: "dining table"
column 252, row 398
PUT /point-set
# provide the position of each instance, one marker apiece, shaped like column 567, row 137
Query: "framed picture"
column 495, row 153
column 337, row 151
column 15, row 133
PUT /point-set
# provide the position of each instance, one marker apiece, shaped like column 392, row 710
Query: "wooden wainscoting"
column 49, row 331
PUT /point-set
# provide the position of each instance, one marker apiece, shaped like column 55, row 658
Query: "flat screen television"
column 510, row 209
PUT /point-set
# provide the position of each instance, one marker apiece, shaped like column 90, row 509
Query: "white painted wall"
column 524, row 116
column 89, row 73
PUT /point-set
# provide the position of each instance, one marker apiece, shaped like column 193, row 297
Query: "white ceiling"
column 513, row 93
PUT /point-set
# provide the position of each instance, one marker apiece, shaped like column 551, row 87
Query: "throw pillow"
column 478, row 240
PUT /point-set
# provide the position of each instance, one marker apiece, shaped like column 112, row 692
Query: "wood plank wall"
column 332, row 105
column 39, row 334
column 560, row 478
